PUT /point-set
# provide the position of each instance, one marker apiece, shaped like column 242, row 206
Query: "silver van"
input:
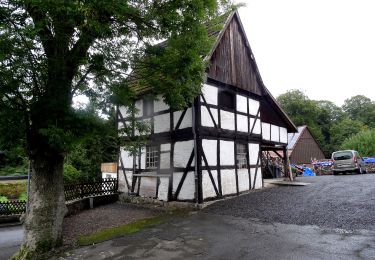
column 347, row 161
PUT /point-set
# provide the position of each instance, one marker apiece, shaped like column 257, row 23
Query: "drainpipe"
column 195, row 152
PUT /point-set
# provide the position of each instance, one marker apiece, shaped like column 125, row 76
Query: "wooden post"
column 287, row 169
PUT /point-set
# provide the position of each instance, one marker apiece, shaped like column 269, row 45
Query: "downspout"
column 195, row 152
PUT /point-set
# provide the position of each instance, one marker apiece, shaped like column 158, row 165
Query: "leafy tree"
column 363, row 142
column 52, row 50
column 360, row 108
column 343, row 130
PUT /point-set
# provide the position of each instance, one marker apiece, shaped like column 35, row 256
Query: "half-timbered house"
column 212, row 148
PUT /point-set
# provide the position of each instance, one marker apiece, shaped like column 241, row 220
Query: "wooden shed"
column 212, row 148
column 303, row 148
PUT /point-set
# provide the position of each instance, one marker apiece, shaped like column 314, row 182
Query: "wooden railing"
column 72, row 192
column 16, row 207
column 90, row 189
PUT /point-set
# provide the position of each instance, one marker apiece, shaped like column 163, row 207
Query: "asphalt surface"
column 332, row 218
column 10, row 240
column 343, row 201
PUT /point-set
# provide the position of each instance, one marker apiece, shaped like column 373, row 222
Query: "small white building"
column 211, row 149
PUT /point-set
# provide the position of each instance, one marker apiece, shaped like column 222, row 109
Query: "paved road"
column 10, row 240
column 278, row 223
column 344, row 201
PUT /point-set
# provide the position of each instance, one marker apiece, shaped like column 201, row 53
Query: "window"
column 148, row 106
column 241, row 154
column 152, row 157
column 226, row 99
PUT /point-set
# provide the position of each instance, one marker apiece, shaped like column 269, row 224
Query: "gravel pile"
column 112, row 215
column 346, row 202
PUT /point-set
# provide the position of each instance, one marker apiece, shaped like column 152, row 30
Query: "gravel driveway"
column 344, row 201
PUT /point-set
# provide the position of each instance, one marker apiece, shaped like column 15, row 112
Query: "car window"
column 342, row 156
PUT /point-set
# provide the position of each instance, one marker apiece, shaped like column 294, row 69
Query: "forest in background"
column 351, row 126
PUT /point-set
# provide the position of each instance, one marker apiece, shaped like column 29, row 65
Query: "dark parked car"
column 347, row 161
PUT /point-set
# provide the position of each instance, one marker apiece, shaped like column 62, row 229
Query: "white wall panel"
column 228, row 182
column 275, row 135
column 159, row 104
column 241, row 103
column 182, row 152
column 188, row 188
column 253, row 153
column 165, row 160
column 127, row 159
column 227, row 120
column 257, row 128
column 258, row 181
column 266, row 133
column 243, row 179
column 161, row 123
column 210, row 94
column 165, row 147
column 163, row 189
column 226, row 152
column 122, row 187
column 143, row 158
column 253, row 106
column 186, row 122
column 210, row 148
column 139, row 108
column 242, row 123
column 283, row 135
column 124, row 112
column 207, row 187
column 206, row 118
column 148, row 187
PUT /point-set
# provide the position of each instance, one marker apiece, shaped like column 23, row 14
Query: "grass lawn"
column 14, row 189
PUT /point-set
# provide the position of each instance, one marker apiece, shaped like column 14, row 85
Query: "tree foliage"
column 363, row 142
column 329, row 123
column 51, row 51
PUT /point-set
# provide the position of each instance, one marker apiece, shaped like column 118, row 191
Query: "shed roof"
column 294, row 137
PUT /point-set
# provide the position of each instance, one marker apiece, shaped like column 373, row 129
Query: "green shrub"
column 3, row 199
column 71, row 174
column 363, row 142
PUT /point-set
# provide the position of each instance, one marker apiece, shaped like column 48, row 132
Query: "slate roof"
column 294, row 137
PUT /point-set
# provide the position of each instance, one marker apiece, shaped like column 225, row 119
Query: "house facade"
column 303, row 148
column 212, row 148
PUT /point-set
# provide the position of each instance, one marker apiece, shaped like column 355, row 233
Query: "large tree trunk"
column 46, row 211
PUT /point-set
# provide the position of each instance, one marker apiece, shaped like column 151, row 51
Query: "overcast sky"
column 324, row 47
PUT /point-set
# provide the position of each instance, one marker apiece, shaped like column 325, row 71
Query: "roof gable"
column 231, row 59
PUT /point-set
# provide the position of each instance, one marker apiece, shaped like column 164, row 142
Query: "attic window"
column 226, row 99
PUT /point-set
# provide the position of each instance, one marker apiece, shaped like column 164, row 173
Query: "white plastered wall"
column 186, row 121
column 207, row 187
column 227, row 120
column 243, row 179
column 257, row 128
column 163, row 189
column 161, row 123
column 258, row 181
column 266, row 133
column 188, row 187
column 148, row 187
column 242, row 123
column 159, row 104
column 275, row 134
column 210, row 93
column 206, row 118
column 228, row 182
column 210, row 151
column 182, row 152
column 241, row 103
column 253, row 107
column 226, row 152
column 283, row 135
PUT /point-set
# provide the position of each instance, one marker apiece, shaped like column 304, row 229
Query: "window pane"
column 226, row 99
column 152, row 157
column 241, row 154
